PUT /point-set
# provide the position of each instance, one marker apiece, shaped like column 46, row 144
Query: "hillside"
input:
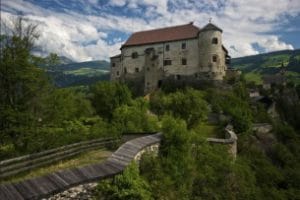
column 269, row 63
column 71, row 73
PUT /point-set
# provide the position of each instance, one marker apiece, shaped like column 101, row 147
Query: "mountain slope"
column 269, row 63
column 83, row 73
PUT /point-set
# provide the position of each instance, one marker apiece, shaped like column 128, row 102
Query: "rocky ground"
column 81, row 192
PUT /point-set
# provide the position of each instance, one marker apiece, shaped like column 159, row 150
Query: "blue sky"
column 95, row 29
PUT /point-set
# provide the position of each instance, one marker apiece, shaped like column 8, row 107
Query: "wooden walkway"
column 45, row 186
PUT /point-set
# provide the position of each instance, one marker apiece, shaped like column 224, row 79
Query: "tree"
column 22, row 84
column 188, row 105
column 135, row 118
column 107, row 96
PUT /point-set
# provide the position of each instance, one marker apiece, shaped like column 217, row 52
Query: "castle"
column 177, row 53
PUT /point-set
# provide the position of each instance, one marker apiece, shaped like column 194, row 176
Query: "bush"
column 127, row 186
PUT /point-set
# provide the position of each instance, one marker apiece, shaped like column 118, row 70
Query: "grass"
column 276, row 60
column 207, row 130
column 83, row 159
column 253, row 77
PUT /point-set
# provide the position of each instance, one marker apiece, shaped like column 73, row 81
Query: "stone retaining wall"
column 230, row 140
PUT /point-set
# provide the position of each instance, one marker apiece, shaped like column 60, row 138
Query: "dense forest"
column 35, row 115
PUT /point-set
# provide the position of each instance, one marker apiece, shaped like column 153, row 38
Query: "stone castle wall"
column 199, row 53
column 206, row 52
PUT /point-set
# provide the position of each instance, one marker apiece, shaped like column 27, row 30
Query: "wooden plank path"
column 45, row 186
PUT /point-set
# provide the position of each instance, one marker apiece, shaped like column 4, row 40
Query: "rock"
column 81, row 192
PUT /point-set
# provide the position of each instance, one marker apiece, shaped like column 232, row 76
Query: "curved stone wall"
column 230, row 140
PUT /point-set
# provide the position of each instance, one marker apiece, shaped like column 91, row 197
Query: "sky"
column 85, row 30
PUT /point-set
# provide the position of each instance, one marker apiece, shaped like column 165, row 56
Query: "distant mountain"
column 269, row 63
column 71, row 73
column 65, row 60
column 96, row 64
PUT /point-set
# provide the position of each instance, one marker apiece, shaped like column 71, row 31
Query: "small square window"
column 183, row 61
column 214, row 58
column 167, row 62
column 113, row 64
column 183, row 45
column 117, row 73
column 215, row 40
column 137, row 69
column 167, row 47
column 177, row 77
column 134, row 55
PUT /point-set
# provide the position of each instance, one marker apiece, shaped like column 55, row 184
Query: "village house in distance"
column 178, row 53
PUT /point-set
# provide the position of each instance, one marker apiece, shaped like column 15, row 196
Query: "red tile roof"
column 173, row 33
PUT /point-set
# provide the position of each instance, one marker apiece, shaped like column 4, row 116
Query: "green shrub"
column 127, row 186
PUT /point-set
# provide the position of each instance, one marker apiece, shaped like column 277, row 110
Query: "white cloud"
column 119, row 3
column 273, row 43
column 84, row 37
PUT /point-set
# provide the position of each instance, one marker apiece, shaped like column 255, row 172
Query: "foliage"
column 65, row 104
column 232, row 105
column 34, row 115
column 127, row 186
column 188, row 105
column 22, row 85
column 107, row 96
column 135, row 118
column 288, row 106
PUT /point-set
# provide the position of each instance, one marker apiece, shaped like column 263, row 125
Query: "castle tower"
column 211, row 52
column 153, row 72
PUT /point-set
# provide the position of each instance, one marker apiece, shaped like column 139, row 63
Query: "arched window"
column 214, row 41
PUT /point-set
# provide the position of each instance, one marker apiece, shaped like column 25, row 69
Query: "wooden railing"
column 17, row 165
column 47, row 185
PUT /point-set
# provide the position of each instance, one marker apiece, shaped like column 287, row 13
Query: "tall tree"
column 21, row 83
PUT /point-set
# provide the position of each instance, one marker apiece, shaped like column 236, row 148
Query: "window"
column 183, row 45
column 183, row 61
column 148, row 69
column 134, row 55
column 214, row 58
column 167, row 47
column 215, row 40
column 177, row 77
column 137, row 69
column 167, row 62
column 117, row 73
column 125, row 70
column 113, row 64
